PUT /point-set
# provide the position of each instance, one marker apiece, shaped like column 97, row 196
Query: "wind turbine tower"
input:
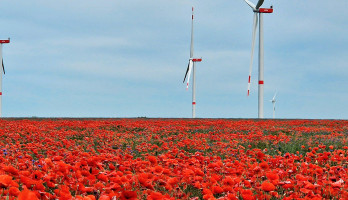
column 258, row 13
column 192, row 67
column 2, row 71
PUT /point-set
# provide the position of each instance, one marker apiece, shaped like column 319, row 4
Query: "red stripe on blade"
column 193, row 103
column 249, row 80
column 261, row 82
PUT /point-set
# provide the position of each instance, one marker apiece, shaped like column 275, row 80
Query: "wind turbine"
column 2, row 71
column 258, row 13
column 191, row 67
column 274, row 102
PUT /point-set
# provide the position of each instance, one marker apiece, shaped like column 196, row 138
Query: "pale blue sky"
column 113, row 58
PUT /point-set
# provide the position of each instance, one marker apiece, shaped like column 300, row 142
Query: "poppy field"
column 109, row 159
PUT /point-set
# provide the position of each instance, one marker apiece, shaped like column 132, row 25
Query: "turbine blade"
column 259, row 4
column 251, row 4
column 189, row 73
column 275, row 95
column 3, row 67
column 188, row 66
column 252, row 50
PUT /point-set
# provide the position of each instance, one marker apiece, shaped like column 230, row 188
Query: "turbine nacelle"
column 265, row 10
column 256, row 8
column 5, row 41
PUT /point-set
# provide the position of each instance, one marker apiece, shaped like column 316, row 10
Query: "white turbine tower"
column 2, row 71
column 258, row 12
column 191, row 67
column 274, row 102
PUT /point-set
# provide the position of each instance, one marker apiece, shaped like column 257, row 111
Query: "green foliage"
column 193, row 192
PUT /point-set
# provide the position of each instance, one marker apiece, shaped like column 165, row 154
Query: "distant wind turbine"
column 191, row 67
column 274, row 103
column 2, row 71
column 258, row 11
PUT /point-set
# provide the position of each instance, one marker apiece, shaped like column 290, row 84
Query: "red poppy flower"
column 264, row 165
column 217, row 190
column 247, row 195
column 173, row 181
column 155, row 196
column 89, row 197
column 260, row 155
column 11, row 170
column 102, row 177
column 152, row 159
column 5, row 180
column 104, row 197
column 112, row 167
column 304, row 190
column 27, row 195
column 272, row 176
column 13, row 191
column 158, row 170
column 132, row 195
column 267, row 186
column 232, row 197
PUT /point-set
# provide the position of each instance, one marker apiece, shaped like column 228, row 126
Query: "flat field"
column 173, row 159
